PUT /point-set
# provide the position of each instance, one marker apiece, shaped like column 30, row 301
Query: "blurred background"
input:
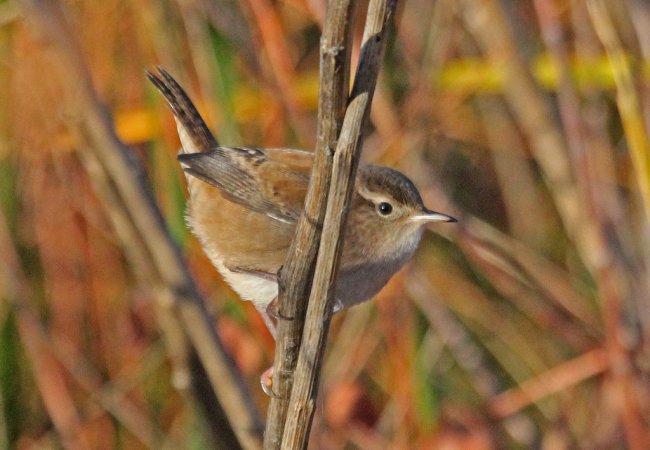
column 527, row 325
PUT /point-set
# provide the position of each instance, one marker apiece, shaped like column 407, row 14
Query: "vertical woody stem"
column 295, row 280
column 305, row 387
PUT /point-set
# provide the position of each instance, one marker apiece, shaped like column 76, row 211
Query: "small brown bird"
column 244, row 204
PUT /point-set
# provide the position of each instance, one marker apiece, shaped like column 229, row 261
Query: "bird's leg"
column 268, row 319
column 268, row 313
column 266, row 379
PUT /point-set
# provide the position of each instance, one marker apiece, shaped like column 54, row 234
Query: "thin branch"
column 346, row 158
column 187, row 312
column 295, row 280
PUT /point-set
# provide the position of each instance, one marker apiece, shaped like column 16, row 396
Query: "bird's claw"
column 266, row 382
column 273, row 310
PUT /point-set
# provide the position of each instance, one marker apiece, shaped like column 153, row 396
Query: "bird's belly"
column 261, row 291
column 354, row 284
column 352, row 287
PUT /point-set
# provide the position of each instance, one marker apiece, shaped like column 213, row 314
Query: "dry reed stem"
column 346, row 158
column 296, row 276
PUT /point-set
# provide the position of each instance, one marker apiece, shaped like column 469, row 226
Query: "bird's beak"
column 432, row 216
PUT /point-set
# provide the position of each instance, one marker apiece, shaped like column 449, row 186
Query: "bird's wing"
column 270, row 182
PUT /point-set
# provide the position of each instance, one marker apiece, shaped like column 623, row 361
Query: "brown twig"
column 346, row 158
column 295, row 280
column 234, row 412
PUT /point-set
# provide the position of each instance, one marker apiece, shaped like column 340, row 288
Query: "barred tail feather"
column 193, row 132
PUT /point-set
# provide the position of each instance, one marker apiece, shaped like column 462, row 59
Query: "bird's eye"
column 385, row 208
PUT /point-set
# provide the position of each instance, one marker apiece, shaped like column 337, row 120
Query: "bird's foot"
column 266, row 381
column 273, row 310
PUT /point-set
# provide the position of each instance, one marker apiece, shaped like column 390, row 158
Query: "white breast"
column 260, row 291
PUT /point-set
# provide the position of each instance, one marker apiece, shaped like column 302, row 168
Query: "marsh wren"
column 244, row 204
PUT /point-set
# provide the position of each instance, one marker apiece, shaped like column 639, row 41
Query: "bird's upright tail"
column 193, row 132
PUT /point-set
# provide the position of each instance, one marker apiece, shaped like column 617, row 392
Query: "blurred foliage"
column 527, row 325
